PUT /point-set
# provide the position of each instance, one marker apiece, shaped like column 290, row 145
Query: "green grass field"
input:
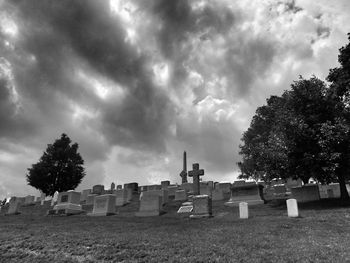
column 321, row 234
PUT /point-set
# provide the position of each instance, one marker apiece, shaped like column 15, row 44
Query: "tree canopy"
column 303, row 133
column 60, row 168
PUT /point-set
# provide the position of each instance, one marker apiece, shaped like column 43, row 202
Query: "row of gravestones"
column 303, row 193
column 154, row 197
column 70, row 202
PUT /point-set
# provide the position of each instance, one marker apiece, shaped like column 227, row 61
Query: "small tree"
column 60, row 168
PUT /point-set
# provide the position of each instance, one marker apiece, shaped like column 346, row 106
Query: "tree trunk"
column 344, row 195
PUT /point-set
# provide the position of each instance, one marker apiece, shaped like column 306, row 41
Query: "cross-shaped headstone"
column 195, row 173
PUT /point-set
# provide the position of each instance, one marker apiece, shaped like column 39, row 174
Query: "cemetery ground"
column 320, row 234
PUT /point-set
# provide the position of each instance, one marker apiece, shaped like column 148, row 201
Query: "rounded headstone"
column 292, row 208
column 243, row 210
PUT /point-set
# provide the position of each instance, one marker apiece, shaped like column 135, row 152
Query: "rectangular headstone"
column 104, row 205
column 243, row 210
column 84, row 195
column 14, row 205
column 292, row 208
column 172, row 190
column 164, row 184
column 98, row 189
column 150, row 206
column 306, row 193
column 69, row 202
column 205, row 189
column 162, row 193
column 217, row 195
column 180, row 195
column 133, row 186
column 251, row 194
column 29, row 199
column 42, row 198
column 90, row 199
column 121, row 197
column 202, row 206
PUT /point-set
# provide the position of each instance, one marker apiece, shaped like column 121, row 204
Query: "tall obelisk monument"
column 183, row 174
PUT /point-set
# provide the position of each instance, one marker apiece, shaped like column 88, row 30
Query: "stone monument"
column 104, row 205
column 202, row 206
column 250, row 193
column 150, row 206
column 183, row 173
column 68, row 203
column 196, row 173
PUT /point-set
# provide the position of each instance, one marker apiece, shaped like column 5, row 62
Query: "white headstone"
column 54, row 198
column 42, row 198
column 243, row 210
column 104, row 205
column 292, row 208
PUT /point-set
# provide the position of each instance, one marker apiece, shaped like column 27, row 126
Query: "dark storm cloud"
column 65, row 35
column 181, row 24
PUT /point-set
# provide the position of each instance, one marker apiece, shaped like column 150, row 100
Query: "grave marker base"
column 250, row 202
column 147, row 213
column 101, row 214
column 200, row 216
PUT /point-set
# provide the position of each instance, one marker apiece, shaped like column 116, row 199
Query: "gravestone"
column 54, row 198
column 150, row 206
column 243, row 210
column 195, row 174
column 183, row 173
column 129, row 193
column 217, row 195
column 133, row 186
column 29, row 200
column 293, row 183
column 292, row 208
column 280, row 191
column 330, row 193
column 171, row 190
column 202, row 206
column 180, row 195
column 188, row 187
column 162, row 193
column 68, row 203
column 306, row 193
column 205, row 189
column 154, row 187
column 112, row 186
column 90, row 199
column 98, row 189
column 121, row 197
column 42, row 198
column 165, row 184
column 144, row 188
column 251, row 194
column 14, row 205
column 104, row 205
column 84, row 195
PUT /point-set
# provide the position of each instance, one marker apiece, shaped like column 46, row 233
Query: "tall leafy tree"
column 283, row 138
column 60, row 168
column 336, row 132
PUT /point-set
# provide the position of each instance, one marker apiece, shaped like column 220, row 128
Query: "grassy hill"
column 321, row 234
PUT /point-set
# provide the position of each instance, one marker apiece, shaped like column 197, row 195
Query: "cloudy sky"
column 135, row 83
